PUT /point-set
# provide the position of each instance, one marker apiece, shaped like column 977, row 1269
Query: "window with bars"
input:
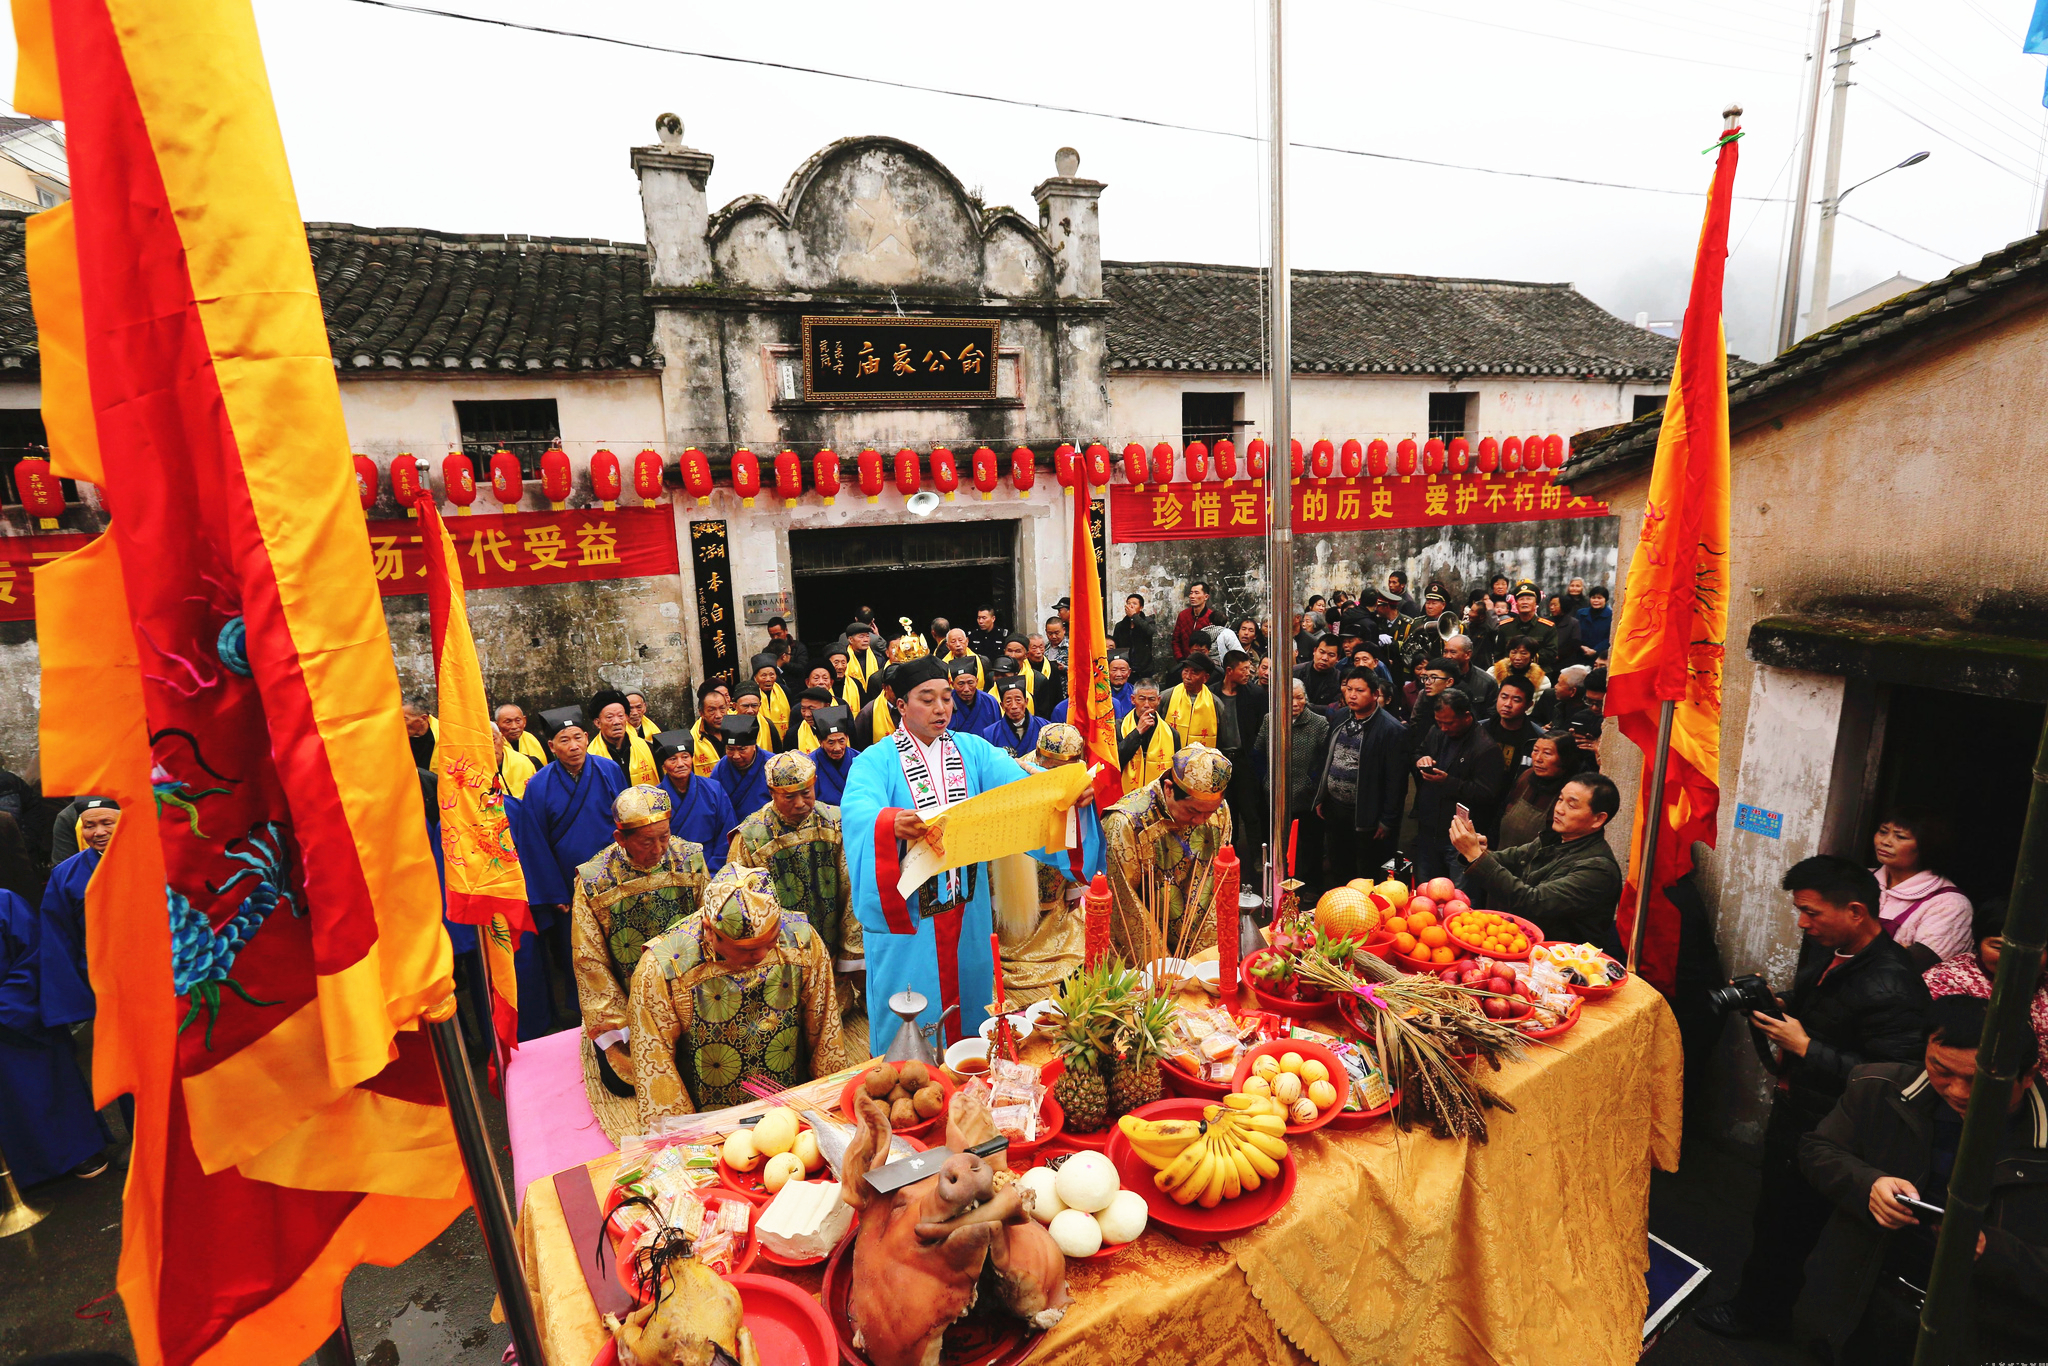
column 1209, row 418
column 527, row 427
column 1449, row 415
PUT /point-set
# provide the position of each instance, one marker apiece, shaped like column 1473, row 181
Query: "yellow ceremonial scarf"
column 532, row 748
column 805, row 740
column 648, row 729
column 862, row 666
column 517, row 770
column 704, row 754
column 775, row 707
column 885, row 724
column 1194, row 718
column 1154, row 760
column 640, row 766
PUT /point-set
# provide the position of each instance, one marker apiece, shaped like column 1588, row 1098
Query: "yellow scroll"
column 1012, row 819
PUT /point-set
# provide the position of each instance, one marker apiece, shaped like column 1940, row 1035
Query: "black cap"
column 1124, row 655
column 1063, row 602
column 914, row 673
column 602, row 698
column 1390, row 599
column 1199, row 661
column 739, row 729
column 839, row 647
column 1007, row 665
column 856, row 628
column 1010, row 684
column 762, row 661
column 98, row 804
column 831, row 721
column 672, row 742
column 966, row 664
column 559, row 717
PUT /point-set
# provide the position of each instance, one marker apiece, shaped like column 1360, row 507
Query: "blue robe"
column 831, row 776
column 1005, row 739
column 977, row 718
column 1119, row 700
column 746, row 789
column 563, row 820
column 47, row 1122
column 905, row 954
column 66, row 987
column 703, row 816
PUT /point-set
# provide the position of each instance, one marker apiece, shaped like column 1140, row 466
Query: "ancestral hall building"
column 693, row 346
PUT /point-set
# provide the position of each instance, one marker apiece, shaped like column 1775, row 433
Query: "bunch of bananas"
column 1228, row 1151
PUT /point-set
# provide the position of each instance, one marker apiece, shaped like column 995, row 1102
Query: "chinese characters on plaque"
column 898, row 360
column 1170, row 512
column 711, row 563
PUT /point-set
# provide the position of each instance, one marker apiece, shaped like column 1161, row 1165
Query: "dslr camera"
column 1742, row 995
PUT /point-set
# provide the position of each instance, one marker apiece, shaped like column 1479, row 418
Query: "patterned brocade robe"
column 1136, row 832
column 618, row 909
column 700, row 1028
column 807, row 862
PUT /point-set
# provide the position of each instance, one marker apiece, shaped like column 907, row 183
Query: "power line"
column 1896, row 238
column 1688, row 30
column 1948, row 137
column 1579, row 42
column 1017, row 103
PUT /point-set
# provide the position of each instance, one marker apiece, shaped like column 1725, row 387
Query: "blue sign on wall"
column 1757, row 821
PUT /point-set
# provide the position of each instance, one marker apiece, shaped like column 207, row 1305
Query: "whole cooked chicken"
column 694, row 1317
column 925, row 1250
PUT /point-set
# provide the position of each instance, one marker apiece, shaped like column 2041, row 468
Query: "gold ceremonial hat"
column 741, row 901
column 790, row 771
column 1200, row 769
column 1059, row 743
column 638, row 806
column 910, row 645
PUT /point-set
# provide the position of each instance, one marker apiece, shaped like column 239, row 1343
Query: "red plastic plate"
column 1192, row 1223
column 1280, row 1048
column 1283, row 1005
column 789, row 1327
column 1594, row 993
column 1353, row 1119
column 988, row 1336
column 1529, row 928
column 923, row 1130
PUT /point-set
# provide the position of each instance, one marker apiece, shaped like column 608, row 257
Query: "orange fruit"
column 1421, row 920
column 1404, row 943
column 1443, row 957
column 1434, row 936
column 1395, row 925
column 1520, row 945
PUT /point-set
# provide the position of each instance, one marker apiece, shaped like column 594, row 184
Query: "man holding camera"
column 1857, row 998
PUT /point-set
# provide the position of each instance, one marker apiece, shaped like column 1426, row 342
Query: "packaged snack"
column 1014, row 1083
column 1018, row 1123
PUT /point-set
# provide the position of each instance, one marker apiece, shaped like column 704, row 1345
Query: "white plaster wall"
column 21, row 392
column 1145, row 406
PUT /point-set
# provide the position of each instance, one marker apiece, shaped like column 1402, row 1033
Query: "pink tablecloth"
column 546, row 1111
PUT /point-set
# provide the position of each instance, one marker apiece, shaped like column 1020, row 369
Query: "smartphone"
column 1919, row 1206
column 1464, row 813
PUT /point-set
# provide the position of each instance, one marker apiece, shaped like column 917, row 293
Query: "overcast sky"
column 403, row 119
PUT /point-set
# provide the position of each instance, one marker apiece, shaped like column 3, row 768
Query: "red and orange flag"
column 1668, row 642
column 1089, row 708
column 485, row 887
column 263, row 935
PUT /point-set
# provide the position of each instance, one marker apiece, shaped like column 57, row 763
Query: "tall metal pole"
column 1802, row 193
column 1648, row 882
column 486, row 1186
column 1945, row 1321
column 1830, row 199
column 1279, row 480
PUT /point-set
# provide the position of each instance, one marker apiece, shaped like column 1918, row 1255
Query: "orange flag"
column 484, row 887
column 1089, row 708
column 1668, row 642
column 262, row 935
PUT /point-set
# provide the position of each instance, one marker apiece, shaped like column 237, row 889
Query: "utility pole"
column 1279, row 463
column 1830, row 201
column 1802, row 193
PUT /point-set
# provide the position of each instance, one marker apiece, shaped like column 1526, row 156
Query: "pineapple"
column 1143, row 1039
column 1088, row 1000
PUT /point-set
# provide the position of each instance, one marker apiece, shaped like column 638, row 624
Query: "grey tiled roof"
column 17, row 320
column 412, row 299
column 1173, row 315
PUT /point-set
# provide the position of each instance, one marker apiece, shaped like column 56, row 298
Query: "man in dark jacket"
column 1528, row 622
column 1567, row 879
column 1363, row 779
column 1857, row 998
column 1309, row 737
column 1895, row 1132
column 1457, row 766
column 1320, row 675
column 1596, row 628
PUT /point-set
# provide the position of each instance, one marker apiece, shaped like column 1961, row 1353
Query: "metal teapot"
column 914, row 1042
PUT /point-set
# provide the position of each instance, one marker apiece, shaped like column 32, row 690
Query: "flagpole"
column 1648, row 879
column 1279, row 471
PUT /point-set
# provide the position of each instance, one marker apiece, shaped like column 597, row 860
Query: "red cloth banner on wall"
column 1172, row 512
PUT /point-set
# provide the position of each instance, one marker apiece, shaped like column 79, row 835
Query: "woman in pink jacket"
column 1923, row 910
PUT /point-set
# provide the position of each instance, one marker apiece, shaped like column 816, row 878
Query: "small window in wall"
column 21, row 434
column 1647, row 404
column 524, row 426
column 1209, row 418
column 1449, row 415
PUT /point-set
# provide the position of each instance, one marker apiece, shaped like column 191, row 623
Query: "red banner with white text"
column 1170, row 512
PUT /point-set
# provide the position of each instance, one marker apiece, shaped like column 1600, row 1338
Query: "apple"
column 1450, row 975
column 1419, row 903
column 1440, row 889
column 1495, row 1008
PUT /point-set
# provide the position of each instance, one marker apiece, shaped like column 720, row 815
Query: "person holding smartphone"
column 1883, row 1157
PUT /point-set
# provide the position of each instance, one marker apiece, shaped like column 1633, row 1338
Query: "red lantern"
column 1351, row 458
column 1096, row 460
column 366, row 482
column 1226, row 460
column 789, row 476
column 1323, row 458
column 987, row 474
column 1162, row 463
column 1294, row 449
column 906, row 471
column 1404, row 457
column 1198, row 462
column 697, row 475
column 604, row 479
column 1553, row 451
column 1134, row 465
column 825, row 474
column 869, row 463
column 1023, row 469
column 647, row 476
column 1255, row 458
column 945, row 472
column 1511, row 455
column 405, row 483
column 1532, row 454
column 1376, row 459
column 1063, row 468
column 1458, row 455
column 42, row 496
column 1489, row 455
column 1433, row 456
column 555, row 479
column 508, row 481
column 458, row 481
column 746, row 476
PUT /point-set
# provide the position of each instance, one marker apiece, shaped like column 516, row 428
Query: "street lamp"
column 1824, row 252
column 1913, row 160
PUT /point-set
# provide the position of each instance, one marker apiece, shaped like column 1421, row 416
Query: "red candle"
column 1226, row 920
column 995, row 953
column 1097, row 903
column 1293, row 833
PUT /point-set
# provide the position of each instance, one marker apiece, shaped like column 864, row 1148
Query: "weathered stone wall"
column 1463, row 558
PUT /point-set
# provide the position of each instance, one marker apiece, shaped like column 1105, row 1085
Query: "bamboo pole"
column 1647, row 884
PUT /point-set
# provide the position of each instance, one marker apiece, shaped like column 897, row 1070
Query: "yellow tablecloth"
column 1395, row 1248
